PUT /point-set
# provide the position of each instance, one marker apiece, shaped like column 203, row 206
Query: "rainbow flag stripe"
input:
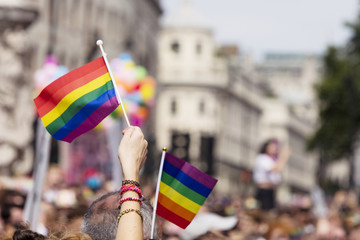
column 183, row 190
column 78, row 101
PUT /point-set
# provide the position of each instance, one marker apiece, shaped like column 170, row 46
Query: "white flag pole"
column 100, row 43
column 33, row 200
column 157, row 193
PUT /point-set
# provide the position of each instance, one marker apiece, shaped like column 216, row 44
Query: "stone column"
column 16, row 87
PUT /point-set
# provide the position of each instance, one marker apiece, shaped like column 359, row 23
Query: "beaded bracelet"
column 129, row 199
column 132, row 182
column 130, row 210
column 129, row 187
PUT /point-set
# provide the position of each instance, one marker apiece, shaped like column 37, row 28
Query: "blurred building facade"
column 68, row 30
column 240, row 129
column 16, row 115
column 214, row 108
column 190, row 78
column 207, row 109
column 291, row 78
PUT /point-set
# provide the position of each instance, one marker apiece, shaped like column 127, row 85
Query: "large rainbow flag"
column 183, row 190
column 78, row 101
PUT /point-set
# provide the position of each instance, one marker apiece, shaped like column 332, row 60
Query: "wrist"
column 131, row 176
column 129, row 181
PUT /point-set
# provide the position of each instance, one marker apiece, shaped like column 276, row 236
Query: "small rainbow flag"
column 78, row 101
column 183, row 190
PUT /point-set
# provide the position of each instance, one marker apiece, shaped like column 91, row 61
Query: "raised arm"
column 283, row 158
column 132, row 154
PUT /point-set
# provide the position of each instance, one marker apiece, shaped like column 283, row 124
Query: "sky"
column 287, row 26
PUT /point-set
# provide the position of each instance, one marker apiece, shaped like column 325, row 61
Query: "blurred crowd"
column 221, row 217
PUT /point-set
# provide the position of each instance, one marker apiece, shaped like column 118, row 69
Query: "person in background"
column 278, row 231
column 11, row 205
column 268, row 166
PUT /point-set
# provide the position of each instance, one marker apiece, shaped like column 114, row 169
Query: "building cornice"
column 187, row 28
column 12, row 17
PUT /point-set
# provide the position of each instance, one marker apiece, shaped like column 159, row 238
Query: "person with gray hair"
column 131, row 220
column 100, row 220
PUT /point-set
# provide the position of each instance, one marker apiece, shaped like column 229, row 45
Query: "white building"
column 292, row 78
column 214, row 111
column 291, row 116
column 206, row 108
column 239, row 136
column 188, row 81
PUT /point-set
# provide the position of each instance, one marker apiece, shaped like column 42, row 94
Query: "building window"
column 173, row 106
column 207, row 153
column 202, row 107
column 129, row 44
column 175, row 47
column 198, row 48
column 180, row 145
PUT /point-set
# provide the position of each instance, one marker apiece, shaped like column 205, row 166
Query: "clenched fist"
column 132, row 152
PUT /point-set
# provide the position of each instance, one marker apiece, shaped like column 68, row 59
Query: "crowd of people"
column 81, row 212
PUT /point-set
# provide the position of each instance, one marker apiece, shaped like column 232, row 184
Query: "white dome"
column 186, row 17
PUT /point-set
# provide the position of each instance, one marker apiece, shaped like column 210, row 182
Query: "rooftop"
column 186, row 17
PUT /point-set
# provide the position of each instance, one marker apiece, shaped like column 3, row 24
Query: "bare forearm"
column 130, row 224
column 283, row 158
column 132, row 154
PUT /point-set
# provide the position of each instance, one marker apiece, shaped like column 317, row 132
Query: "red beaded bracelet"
column 130, row 187
column 130, row 199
